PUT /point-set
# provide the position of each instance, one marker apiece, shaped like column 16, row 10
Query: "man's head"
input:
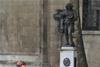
column 69, row 6
column 21, row 64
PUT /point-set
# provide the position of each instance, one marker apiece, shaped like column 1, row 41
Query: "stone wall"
column 91, row 41
column 19, row 30
column 20, row 33
column 92, row 47
column 19, row 26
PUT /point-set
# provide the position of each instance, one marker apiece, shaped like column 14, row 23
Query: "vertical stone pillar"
column 45, row 33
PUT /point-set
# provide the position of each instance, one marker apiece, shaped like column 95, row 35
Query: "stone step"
column 16, row 66
column 10, row 60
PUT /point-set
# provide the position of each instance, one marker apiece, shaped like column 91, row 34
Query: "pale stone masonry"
column 22, row 32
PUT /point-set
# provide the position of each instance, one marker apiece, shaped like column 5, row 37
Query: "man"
column 68, row 23
column 66, row 19
column 21, row 64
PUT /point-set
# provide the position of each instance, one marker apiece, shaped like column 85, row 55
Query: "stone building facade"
column 28, row 32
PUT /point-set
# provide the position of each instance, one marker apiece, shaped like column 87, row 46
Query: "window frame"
column 85, row 15
column 87, row 32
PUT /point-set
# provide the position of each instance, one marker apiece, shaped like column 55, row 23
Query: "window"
column 91, row 15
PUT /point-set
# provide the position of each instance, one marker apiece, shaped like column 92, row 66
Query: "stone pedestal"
column 67, row 57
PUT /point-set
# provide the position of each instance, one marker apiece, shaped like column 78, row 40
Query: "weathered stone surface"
column 92, row 47
column 19, row 26
column 20, row 30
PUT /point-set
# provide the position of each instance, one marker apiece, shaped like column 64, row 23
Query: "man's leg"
column 66, row 34
column 70, row 36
